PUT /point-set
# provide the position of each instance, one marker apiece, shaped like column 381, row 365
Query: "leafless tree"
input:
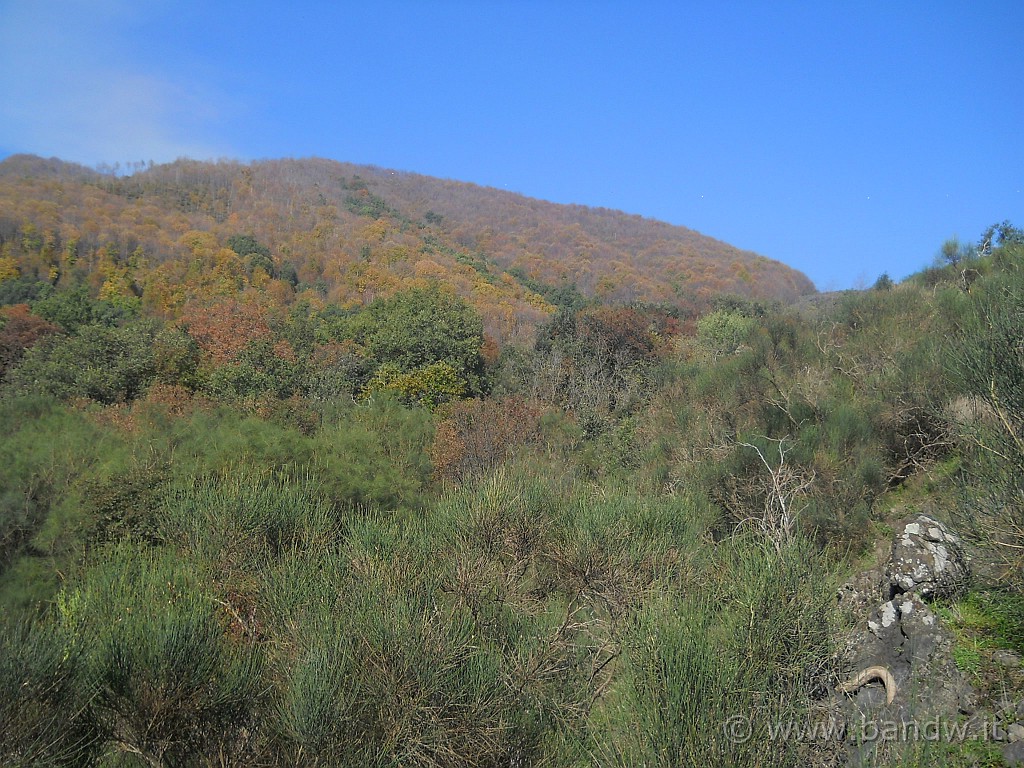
column 787, row 486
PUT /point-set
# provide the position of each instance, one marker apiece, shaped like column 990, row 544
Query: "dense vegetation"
column 314, row 533
column 173, row 236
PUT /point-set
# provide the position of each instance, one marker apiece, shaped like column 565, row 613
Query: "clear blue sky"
column 845, row 139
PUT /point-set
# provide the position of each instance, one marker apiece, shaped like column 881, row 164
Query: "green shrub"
column 73, row 309
column 372, row 454
column 418, row 328
column 176, row 357
column 722, row 332
column 317, row 712
column 241, row 519
column 122, row 502
column 848, row 425
column 985, row 359
column 46, row 450
column 43, row 704
column 163, row 680
column 747, row 642
column 431, row 385
column 108, row 365
column 400, row 680
column 257, row 371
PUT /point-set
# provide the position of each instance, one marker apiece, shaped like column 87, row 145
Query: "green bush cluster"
column 254, row 562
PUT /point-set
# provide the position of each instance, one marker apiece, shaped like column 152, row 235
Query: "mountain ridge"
column 352, row 232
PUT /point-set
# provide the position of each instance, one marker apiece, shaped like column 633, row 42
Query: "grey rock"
column 1015, row 732
column 927, row 559
column 978, row 727
column 863, row 591
column 1013, row 754
column 902, row 634
column 884, row 620
column 920, row 627
column 1006, row 658
column 968, row 702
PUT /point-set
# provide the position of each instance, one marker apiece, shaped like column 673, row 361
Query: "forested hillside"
column 188, row 233
column 300, row 475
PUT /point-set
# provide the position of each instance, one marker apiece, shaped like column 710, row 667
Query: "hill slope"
column 348, row 233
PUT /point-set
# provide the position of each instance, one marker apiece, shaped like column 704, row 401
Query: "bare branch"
column 786, row 485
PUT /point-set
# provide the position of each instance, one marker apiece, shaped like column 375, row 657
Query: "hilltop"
column 339, row 233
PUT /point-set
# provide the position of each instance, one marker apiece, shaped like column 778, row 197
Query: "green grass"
column 989, row 619
column 984, row 623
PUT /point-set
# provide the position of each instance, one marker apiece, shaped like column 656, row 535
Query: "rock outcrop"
column 901, row 639
column 928, row 560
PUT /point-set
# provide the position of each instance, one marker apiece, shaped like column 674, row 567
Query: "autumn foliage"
column 174, row 236
column 20, row 330
column 475, row 436
column 223, row 330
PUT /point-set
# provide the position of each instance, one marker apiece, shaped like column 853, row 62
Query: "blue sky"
column 845, row 139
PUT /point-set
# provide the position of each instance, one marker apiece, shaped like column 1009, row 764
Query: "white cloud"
column 72, row 91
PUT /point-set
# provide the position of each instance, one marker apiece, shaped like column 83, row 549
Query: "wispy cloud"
column 71, row 88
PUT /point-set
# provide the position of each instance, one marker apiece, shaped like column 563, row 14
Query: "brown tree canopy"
column 333, row 232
